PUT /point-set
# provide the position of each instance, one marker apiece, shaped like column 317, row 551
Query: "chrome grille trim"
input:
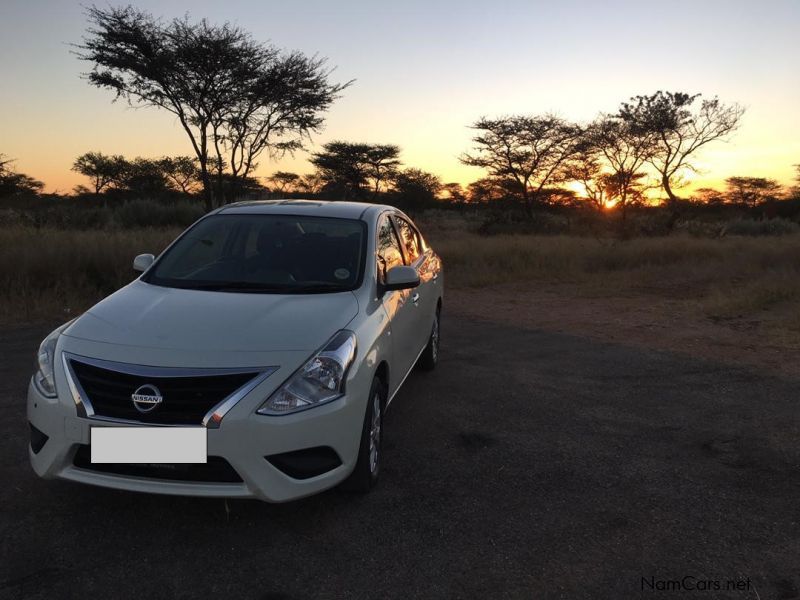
column 211, row 420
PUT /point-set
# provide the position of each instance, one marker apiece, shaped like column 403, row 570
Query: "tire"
column 430, row 356
column 368, row 466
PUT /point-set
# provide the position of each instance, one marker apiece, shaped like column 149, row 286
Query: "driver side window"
column 389, row 254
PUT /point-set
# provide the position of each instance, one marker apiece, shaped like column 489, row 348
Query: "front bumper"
column 243, row 439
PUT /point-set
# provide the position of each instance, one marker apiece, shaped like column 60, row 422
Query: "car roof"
column 316, row 208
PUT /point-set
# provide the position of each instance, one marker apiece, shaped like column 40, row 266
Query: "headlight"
column 45, row 377
column 320, row 380
column 46, row 358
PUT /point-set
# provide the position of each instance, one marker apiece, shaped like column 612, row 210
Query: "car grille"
column 216, row 470
column 186, row 400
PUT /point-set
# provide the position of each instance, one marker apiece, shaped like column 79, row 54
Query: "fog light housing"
column 38, row 439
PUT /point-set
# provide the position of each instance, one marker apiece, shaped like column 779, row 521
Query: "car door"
column 397, row 303
column 424, row 297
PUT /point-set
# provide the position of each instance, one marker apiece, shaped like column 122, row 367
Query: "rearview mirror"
column 142, row 262
column 401, row 278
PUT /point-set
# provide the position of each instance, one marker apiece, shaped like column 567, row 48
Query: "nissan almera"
column 255, row 357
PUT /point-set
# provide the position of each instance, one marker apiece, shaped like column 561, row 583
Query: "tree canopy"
column 143, row 177
column 283, row 181
column 415, row 188
column 356, row 170
column 233, row 96
column 102, row 170
column 530, row 151
column 623, row 150
column 14, row 184
column 752, row 190
column 678, row 127
column 181, row 172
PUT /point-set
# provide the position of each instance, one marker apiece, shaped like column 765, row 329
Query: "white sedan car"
column 255, row 357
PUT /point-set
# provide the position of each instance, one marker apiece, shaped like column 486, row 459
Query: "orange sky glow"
column 423, row 74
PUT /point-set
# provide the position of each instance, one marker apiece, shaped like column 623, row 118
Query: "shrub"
column 500, row 223
column 760, row 228
column 89, row 213
column 697, row 228
column 147, row 213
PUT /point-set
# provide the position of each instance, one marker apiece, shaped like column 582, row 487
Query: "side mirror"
column 401, row 278
column 142, row 262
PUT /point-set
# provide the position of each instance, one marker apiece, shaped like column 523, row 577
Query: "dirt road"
column 529, row 465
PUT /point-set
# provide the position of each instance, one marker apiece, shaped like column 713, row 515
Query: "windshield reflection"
column 265, row 254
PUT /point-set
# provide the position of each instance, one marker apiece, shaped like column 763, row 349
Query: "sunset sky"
column 424, row 71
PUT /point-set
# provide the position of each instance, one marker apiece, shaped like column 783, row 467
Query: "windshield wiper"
column 236, row 286
column 255, row 287
column 317, row 287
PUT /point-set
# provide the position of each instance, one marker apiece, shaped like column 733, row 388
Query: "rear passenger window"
column 410, row 238
column 389, row 253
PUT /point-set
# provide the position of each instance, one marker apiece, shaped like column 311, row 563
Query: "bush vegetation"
column 55, row 274
column 49, row 273
column 74, row 214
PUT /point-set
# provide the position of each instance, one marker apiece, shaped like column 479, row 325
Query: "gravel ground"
column 528, row 465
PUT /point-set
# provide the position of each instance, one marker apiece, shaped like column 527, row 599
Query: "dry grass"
column 48, row 274
column 55, row 274
column 753, row 272
column 733, row 278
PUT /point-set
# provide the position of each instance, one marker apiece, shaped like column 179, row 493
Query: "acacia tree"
column 351, row 169
column 310, row 183
column 624, row 150
column 587, row 169
column 752, row 191
column 279, row 112
column 455, row 192
column 415, row 188
column 532, row 152
column 678, row 128
column 103, row 170
column 624, row 190
column 181, row 172
column 232, row 95
column 13, row 183
column 708, row 195
column 383, row 162
column 144, row 178
column 489, row 189
column 341, row 167
column 283, row 181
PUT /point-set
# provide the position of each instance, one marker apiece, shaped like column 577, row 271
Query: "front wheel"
column 430, row 356
column 368, row 466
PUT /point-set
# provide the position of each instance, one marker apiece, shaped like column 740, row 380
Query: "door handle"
column 435, row 276
column 415, row 297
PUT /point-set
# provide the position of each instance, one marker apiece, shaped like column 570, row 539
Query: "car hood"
column 151, row 316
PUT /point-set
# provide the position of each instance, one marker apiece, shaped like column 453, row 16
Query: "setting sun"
column 422, row 88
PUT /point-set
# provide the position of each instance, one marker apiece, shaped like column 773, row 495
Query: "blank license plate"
column 148, row 444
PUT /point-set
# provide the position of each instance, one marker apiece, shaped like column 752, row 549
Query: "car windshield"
column 266, row 254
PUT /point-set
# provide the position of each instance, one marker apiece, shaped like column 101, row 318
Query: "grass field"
column 47, row 274
column 52, row 274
